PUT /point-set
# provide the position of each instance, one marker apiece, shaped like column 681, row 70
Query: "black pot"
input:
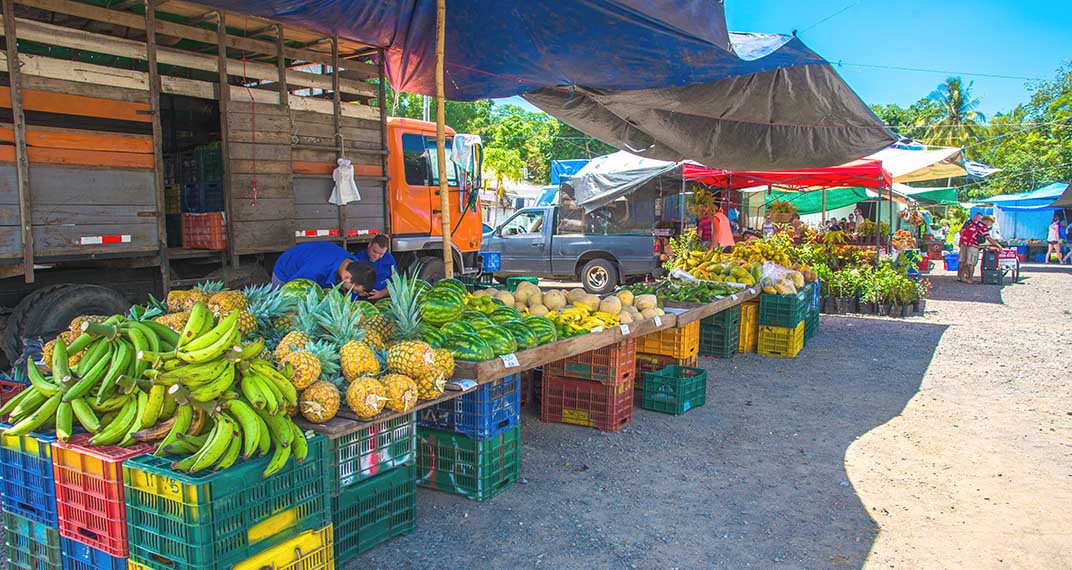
column 846, row 304
column 896, row 311
column 866, row 308
column 826, row 305
column 921, row 306
column 883, row 309
column 908, row 310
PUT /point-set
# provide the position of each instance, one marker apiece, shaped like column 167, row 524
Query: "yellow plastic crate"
column 310, row 550
column 681, row 342
column 749, row 337
column 780, row 341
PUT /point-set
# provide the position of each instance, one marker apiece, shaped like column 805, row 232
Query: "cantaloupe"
column 590, row 302
column 625, row 318
column 535, row 298
column 554, row 300
column 649, row 313
column 611, row 305
column 575, row 295
column 643, row 302
column 506, row 297
column 522, row 294
column 538, row 310
column 625, row 296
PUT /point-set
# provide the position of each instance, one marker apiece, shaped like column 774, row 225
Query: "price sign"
column 597, row 329
column 624, row 329
column 510, row 360
column 733, row 296
column 658, row 321
column 752, row 290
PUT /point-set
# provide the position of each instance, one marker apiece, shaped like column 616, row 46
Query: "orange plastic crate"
column 681, row 342
column 204, row 231
column 587, row 403
column 749, row 337
column 89, row 492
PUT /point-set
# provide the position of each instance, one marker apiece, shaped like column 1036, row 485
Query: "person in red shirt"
column 704, row 227
column 968, row 251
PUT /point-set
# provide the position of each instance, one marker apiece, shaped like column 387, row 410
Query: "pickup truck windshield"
column 525, row 223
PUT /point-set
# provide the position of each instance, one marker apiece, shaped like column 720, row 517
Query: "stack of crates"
column 781, row 323
column 374, row 495
column 593, row 389
column 234, row 518
column 720, row 334
column 32, row 533
column 653, row 363
column 471, row 445
column 90, row 504
column 748, row 338
column 674, row 389
column 670, row 347
column 811, row 321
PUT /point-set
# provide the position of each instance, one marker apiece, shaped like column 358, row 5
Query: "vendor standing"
column 377, row 255
column 327, row 265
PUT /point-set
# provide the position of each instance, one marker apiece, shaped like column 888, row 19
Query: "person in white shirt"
column 1053, row 240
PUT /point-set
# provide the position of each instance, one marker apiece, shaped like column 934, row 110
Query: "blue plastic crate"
column 816, row 296
column 492, row 261
column 31, row 545
column 488, row 411
column 78, row 556
column 28, row 485
column 952, row 261
column 202, row 197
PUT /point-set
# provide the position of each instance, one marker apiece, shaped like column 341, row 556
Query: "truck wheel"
column 49, row 311
column 432, row 268
column 599, row 276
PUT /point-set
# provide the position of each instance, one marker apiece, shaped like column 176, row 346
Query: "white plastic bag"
column 345, row 186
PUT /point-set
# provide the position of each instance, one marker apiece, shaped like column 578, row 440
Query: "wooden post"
column 824, row 206
column 281, row 66
column 22, row 160
column 158, row 144
column 381, row 95
column 441, row 151
column 225, row 99
column 336, row 108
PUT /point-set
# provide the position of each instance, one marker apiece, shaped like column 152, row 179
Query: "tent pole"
column 441, row 150
column 889, row 244
column 824, row 206
column 878, row 224
column 681, row 206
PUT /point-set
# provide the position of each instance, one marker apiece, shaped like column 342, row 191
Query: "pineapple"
column 174, row 321
column 224, row 302
column 379, row 325
column 431, row 386
column 401, row 392
column 407, row 356
column 247, row 323
column 340, row 321
column 374, row 340
column 366, row 397
column 305, row 327
column 358, row 359
column 289, row 342
column 76, row 323
column 46, row 353
column 200, row 294
column 176, row 300
column 267, row 304
column 305, row 365
column 286, row 321
column 444, row 361
column 319, row 402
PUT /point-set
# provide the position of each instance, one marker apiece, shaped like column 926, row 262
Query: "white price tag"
column 658, row 321
column 510, row 360
column 597, row 329
column 624, row 329
column 752, row 290
column 733, row 296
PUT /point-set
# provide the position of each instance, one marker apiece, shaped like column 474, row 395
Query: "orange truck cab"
column 414, row 205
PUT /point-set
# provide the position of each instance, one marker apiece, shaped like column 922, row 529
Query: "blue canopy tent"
column 1027, row 215
column 565, row 168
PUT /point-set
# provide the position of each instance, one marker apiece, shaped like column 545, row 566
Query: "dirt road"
column 917, row 444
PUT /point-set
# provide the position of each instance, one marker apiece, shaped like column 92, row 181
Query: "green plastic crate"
column 31, row 545
column 375, row 510
column 512, row 282
column 811, row 326
column 728, row 317
column 784, row 310
column 720, row 341
column 477, row 469
column 674, row 389
column 373, row 449
column 480, row 281
column 214, row 519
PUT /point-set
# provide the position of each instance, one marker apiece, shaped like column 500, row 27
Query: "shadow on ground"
column 947, row 288
column 754, row 478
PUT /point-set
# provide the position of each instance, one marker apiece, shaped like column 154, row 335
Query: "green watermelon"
column 433, row 337
column 498, row 302
column 452, row 284
column 525, row 336
column 503, row 314
column 442, row 306
column 367, row 309
column 422, row 287
column 383, row 305
column 481, row 323
column 502, row 341
column 543, row 327
column 454, row 327
column 470, row 347
column 299, row 287
column 471, row 315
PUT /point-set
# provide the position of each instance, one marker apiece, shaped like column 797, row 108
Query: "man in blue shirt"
column 377, row 255
column 326, row 264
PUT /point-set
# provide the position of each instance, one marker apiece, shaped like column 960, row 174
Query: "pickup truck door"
column 524, row 242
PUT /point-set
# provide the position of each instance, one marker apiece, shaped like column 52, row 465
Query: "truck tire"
column 48, row 311
column 599, row 276
column 432, row 268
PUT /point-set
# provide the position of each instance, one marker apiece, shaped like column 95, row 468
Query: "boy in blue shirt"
column 326, row 264
column 377, row 255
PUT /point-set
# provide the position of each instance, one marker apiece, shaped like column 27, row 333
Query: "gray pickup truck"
column 535, row 242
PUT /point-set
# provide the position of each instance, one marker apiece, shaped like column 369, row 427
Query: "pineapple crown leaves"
column 339, row 317
column 405, row 307
column 381, row 356
column 154, row 308
column 309, row 309
column 328, row 355
column 267, row 302
column 210, row 286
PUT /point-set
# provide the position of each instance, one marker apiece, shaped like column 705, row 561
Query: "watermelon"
column 452, row 284
column 422, row 287
column 383, row 305
column 471, row 315
column 442, row 306
column 299, row 288
column 543, row 327
column 470, row 347
column 367, row 309
column 481, row 323
column 454, row 327
column 503, row 314
column 500, row 339
column 433, row 337
column 525, row 336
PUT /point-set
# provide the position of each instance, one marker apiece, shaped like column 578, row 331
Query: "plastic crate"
column 512, row 282
column 9, row 389
column 28, row 483
column 491, row 261
column 587, row 403
column 478, row 469
column 720, row 340
column 202, row 197
column 730, row 316
column 374, row 449
column 374, row 511
column 209, row 162
column 816, row 295
column 310, row 550
column 679, row 342
column 480, row 281
column 784, row 310
column 89, row 492
column 608, row 365
column 215, row 519
column 79, row 556
column 781, row 341
column 952, row 261
column 748, row 334
column 655, row 362
column 675, row 389
column 31, row 545
column 530, row 392
column 485, row 412
column 811, row 326
column 204, row 231
column 993, row 277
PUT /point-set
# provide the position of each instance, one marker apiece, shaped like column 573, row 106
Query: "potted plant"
column 923, row 290
column 781, row 211
column 869, row 297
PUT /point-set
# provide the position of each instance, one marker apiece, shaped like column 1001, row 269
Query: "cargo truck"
column 125, row 168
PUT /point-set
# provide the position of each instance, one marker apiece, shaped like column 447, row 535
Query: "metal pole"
column 441, row 146
column 824, row 206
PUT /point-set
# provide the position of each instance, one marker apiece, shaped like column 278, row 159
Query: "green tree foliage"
column 954, row 120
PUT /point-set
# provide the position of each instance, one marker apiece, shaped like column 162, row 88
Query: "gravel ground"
column 932, row 442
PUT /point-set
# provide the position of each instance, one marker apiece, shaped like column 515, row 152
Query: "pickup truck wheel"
column 432, row 268
column 599, row 276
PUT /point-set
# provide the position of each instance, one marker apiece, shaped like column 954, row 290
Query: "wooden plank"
column 21, row 156
column 9, row 215
column 245, row 151
column 244, row 122
column 260, row 137
column 90, row 214
column 262, row 167
column 267, row 186
column 258, row 236
column 52, row 186
column 11, row 242
column 266, row 209
column 261, row 110
column 54, row 85
column 81, row 157
column 64, row 239
column 79, row 105
column 494, row 369
column 381, row 97
column 157, row 142
column 50, row 137
column 303, row 167
column 692, row 312
column 281, row 64
column 346, row 422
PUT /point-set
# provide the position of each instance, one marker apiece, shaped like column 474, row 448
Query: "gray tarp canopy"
column 1065, row 200
column 607, row 178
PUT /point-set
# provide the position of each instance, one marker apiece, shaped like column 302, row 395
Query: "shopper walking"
column 1053, row 241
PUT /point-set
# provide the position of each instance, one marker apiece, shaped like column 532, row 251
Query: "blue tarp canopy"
column 1049, row 192
column 660, row 78
column 566, row 168
column 1027, row 215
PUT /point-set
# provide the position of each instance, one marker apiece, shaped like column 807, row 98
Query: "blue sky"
column 1021, row 38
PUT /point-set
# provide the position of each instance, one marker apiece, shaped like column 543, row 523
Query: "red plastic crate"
column 204, row 231
column 587, row 403
column 9, row 389
column 89, row 492
column 608, row 365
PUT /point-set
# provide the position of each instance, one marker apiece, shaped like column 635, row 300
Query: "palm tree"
column 954, row 120
column 503, row 164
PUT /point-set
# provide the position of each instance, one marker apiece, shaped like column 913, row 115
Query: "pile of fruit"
column 682, row 291
column 788, row 283
column 777, row 249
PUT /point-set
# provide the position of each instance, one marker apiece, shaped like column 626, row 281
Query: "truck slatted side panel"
column 259, row 146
